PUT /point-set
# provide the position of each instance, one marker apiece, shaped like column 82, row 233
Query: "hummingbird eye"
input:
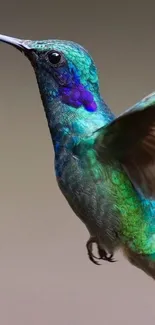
column 55, row 58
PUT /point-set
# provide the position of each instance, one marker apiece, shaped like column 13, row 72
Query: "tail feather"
column 143, row 262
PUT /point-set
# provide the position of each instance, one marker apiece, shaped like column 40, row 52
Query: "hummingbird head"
column 64, row 67
column 68, row 82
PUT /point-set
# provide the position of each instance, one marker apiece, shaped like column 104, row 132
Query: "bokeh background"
column 45, row 275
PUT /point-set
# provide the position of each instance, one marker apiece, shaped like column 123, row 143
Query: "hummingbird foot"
column 89, row 246
column 103, row 255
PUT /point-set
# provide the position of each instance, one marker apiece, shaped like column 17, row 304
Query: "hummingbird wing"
column 130, row 139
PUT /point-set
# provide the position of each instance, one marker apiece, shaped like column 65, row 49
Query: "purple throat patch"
column 78, row 96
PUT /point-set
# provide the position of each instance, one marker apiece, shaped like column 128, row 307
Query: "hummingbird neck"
column 67, row 124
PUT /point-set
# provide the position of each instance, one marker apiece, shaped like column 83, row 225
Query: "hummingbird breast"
column 86, row 185
column 105, row 200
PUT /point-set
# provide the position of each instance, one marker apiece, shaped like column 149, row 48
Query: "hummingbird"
column 104, row 164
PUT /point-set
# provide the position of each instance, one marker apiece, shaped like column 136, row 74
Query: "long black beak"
column 21, row 45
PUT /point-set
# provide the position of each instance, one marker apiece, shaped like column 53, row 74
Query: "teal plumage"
column 104, row 165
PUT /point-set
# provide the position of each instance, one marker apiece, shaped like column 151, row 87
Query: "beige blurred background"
column 45, row 275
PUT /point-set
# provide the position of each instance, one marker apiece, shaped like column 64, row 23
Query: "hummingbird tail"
column 144, row 262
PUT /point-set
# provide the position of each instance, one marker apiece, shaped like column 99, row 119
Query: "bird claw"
column 104, row 256
column 89, row 246
column 101, row 252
